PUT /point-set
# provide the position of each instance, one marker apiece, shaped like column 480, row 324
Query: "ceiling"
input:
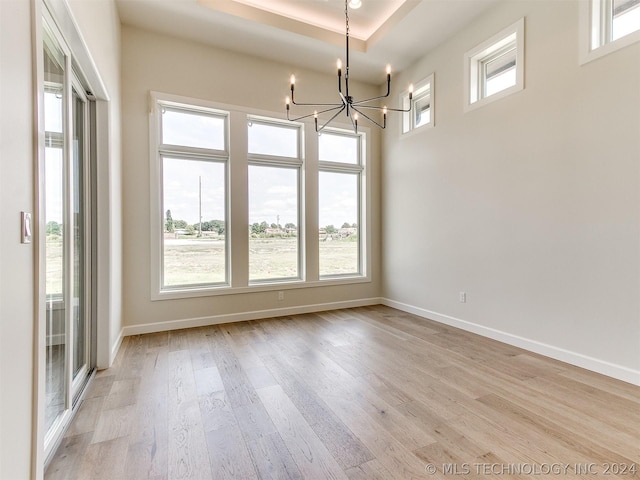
column 310, row 33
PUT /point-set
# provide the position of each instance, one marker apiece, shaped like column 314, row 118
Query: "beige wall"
column 152, row 62
column 99, row 26
column 16, row 260
column 529, row 204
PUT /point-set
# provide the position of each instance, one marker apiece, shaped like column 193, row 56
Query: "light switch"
column 25, row 227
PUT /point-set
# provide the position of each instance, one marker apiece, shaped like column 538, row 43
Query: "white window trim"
column 157, row 152
column 409, row 116
column 363, row 199
column 239, row 284
column 587, row 54
column 472, row 60
column 263, row 160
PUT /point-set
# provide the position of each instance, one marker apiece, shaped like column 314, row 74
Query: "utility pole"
column 200, row 205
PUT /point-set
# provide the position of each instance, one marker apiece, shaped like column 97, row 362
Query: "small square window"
column 607, row 26
column 422, row 111
column 495, row 68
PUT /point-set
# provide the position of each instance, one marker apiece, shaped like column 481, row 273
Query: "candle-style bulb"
column 384, row 110
column 339, row 64
column 315, row 114
column 293, row 80
column 287, row 101
column 388, row 69
column 410, row 91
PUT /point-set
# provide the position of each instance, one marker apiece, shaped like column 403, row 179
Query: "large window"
column 274, row 200
column 339, row 203
column 234, row 203
column 495, row 68
column 194, row 159
column 608, row 25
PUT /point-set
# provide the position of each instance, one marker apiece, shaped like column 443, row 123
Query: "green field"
column 193, row 261
column 189, row 261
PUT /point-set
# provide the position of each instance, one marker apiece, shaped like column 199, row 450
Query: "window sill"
column 256, row 288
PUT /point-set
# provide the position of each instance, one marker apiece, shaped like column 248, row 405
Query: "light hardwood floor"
column 366, row 393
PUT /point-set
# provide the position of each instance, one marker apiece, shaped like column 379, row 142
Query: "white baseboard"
column 596, row 365
column 116, row 347
column 243, row 316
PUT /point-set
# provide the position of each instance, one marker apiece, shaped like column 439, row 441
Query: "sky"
column 273, row 191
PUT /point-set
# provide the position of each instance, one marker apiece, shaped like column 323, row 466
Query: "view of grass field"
column 192, row 261
column 189, row 261
column 54, row 275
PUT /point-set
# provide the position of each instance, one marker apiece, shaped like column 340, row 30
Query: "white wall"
column 16, row 260
column 152, row 62
column 529, row 204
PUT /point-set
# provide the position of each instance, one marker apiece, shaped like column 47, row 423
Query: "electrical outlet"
column 463, row 297
column 280, row 296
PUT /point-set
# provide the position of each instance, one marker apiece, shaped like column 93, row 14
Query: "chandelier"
column 348, row 103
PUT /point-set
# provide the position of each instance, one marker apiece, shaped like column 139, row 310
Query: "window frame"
column 596, row 21
column 358, row 169
column 237, row 206
column 159, row 151
column 476, row 59
column 424, row 88
column 276, row 161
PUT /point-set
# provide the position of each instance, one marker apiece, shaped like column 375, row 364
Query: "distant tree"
column 53, row 228
column 346, row 225
column 290, row 225
column 330, row 229
column 273, row 225
column 217, row 226
column 180, row 224
column 258, row 228
column 354, row 225
column 168, row 225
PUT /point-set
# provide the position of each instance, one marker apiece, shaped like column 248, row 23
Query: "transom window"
column 609, row 25
column 422, row 111
column 495, row 68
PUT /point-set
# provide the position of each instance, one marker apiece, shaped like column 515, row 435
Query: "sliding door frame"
column 97, row 179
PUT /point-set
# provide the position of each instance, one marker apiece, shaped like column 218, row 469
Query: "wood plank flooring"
column 366, row 393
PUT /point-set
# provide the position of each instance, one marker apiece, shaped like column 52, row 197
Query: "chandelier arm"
column 400, row 109
column 373, row 107
column 318, row 130
column 316, row 104
column 359, row 102
column 371, row 119
column 314, row 113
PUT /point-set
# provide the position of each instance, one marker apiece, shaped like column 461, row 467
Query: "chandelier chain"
column 346, row 14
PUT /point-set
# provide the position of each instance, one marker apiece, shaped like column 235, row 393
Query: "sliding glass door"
column 66, row 236
column 56, row 229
